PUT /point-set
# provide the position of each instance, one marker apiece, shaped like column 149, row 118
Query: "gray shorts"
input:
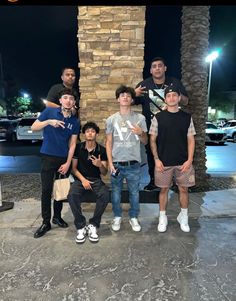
column 165, row 178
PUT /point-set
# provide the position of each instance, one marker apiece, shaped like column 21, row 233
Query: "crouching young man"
column 88, row 163
column 172, row 144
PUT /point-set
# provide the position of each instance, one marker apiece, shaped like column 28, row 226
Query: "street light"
column 209, row 59
column 25, row 95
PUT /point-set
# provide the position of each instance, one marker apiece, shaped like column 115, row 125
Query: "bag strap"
column 61, row 176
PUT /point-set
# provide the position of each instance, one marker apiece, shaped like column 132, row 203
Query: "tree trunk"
column 194, row 47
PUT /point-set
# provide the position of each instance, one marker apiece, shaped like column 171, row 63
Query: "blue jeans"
column 132, row 175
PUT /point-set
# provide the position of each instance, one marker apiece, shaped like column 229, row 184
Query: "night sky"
column 36, row 42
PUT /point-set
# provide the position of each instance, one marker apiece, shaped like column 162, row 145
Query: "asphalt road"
column 25, row 158
column 221, row 159
column 19, row 148
column 19, row 157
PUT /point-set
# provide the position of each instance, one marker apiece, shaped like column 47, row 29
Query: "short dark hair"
column 65, row 68
column 158, row 58
column 90, row 125
column 125, row 89
column 68, row 92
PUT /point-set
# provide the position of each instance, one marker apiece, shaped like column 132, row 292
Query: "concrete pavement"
column 125, row 265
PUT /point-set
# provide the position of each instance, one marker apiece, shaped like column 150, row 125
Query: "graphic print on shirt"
column 154, row 96
column 123, row 131
column 69, row 126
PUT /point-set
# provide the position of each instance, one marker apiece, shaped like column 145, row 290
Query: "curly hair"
column 90, row 125
column 125, row 89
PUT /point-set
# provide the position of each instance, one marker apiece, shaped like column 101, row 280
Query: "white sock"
column 184, row 211
column 162, row 213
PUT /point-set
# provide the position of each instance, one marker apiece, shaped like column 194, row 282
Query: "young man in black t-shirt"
column 172, row 144
column 88, row 163
column 68, row 81
column 150, row 94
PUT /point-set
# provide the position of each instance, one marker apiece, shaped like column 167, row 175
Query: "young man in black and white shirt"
column 150, row 94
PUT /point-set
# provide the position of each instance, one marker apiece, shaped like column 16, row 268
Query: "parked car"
column 9, row 117
column 8, row 129
column 215, row 135
column 221, row 122
column 24, row 132
column 230, row 130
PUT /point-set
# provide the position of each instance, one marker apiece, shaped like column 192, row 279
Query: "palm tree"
column 194, row 47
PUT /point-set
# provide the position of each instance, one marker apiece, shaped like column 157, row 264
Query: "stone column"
column 111, row 53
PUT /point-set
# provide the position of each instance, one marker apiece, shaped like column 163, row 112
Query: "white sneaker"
column 92, row 233
column 162, row 225
column 116, row 223
column 183, row 221
column 135, row 224
column 81, row 235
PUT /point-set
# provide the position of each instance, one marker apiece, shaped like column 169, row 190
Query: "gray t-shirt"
column 126, row 145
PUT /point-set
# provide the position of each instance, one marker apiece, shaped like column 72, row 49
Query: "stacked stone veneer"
column 111, row 52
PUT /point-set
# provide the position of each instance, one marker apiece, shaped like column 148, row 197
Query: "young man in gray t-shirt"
column 125, row 131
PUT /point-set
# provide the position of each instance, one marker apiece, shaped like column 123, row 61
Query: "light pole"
column 2, row 89
column 209, row 59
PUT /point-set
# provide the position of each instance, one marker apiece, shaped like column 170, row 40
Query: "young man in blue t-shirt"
column 60, row 131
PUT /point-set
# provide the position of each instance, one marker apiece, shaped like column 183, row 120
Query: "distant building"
column 214, row 114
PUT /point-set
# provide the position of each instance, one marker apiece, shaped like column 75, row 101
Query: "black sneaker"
column 150, row 187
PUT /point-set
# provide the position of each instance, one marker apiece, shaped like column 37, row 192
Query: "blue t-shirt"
column 56, row 140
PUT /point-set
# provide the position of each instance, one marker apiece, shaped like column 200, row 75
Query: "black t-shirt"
column 54, row 94
column 172, row 137
column 85, row 166
column 155, row 93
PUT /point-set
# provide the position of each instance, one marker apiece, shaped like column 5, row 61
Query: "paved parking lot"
column 25, row 158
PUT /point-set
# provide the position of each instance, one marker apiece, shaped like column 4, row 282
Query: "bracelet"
column 156, row 158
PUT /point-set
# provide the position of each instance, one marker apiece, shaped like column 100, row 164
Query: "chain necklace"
column 90, row 153
column 66, row 112
column 162, row 86
column 124, row 118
